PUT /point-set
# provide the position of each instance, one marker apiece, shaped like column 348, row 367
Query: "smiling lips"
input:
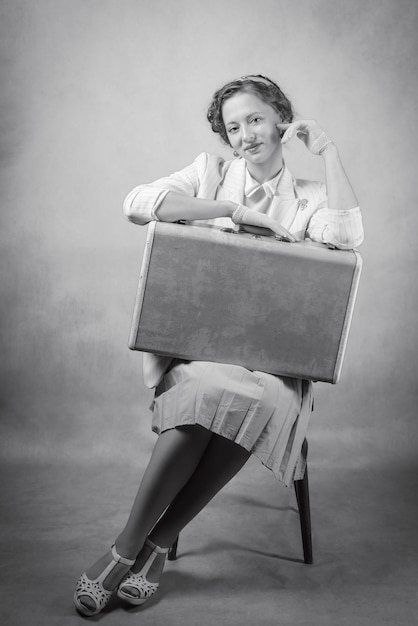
column 253, row 147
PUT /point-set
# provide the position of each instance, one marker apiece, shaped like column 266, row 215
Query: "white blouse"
column 301, row 206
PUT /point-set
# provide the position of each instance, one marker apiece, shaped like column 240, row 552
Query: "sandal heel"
column 139, row 581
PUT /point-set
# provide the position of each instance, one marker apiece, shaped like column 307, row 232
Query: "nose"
column 248, row 134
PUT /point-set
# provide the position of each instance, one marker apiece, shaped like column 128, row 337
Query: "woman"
column 211, row 417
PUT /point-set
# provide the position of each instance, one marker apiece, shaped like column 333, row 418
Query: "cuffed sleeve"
column 341, row 229
column 141, row 204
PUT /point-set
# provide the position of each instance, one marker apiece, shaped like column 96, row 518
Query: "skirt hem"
column 266, row 415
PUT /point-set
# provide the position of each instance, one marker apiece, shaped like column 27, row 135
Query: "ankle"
column 150, row 562
column 126, row 549
column 160, row 540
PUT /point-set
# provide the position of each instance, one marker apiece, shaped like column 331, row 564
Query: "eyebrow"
column 248, row 116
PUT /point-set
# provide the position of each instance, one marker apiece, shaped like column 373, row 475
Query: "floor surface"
column 240, row 561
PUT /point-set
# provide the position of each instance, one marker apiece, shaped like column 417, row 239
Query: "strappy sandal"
column 145, row 588
column 94, row 588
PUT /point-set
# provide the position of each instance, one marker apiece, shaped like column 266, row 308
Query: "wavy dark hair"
column 261, row 86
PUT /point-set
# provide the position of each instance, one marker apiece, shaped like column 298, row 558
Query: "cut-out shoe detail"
column 94, row 589
column 139, row 581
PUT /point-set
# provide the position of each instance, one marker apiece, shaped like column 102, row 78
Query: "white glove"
column 308, row 131
column 243, row 215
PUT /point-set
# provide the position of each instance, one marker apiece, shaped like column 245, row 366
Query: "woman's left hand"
column 308, row 131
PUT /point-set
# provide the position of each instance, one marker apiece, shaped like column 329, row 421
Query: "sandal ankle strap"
column 120, row 559
column 155, row 548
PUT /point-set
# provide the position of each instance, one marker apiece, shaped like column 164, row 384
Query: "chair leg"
column 172, row 553
column 302, row 497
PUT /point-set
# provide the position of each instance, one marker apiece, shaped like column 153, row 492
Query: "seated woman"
column 211, row 417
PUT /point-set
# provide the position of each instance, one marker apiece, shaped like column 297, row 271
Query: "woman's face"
column 250, row 124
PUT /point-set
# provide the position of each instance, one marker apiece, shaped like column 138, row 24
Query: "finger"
column 285, row 138
column 288, row 235
column 290, row 131
column 282, row 129
column 287, row 135
column 284, row 238
column 302, row 126
column 282, row 232
column 309, row 126
column 304, row 123
column 257, row 230
column 286, row 232
column 290, row 239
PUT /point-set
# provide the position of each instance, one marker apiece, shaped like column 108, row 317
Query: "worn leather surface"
column 253, row 301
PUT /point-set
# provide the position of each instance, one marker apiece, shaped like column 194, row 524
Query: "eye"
column 256, row 119
column 232, row 129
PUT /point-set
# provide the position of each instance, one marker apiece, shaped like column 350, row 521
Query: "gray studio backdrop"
column 99, row 96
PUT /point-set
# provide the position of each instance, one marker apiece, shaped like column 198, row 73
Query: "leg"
column 220, row 462
column 174, row 459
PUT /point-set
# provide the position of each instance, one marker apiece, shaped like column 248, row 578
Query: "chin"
column 258, row 156
column 259, row 159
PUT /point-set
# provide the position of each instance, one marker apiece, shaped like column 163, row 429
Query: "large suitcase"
column 213, row 295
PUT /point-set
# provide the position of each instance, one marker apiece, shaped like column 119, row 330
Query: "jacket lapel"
column 284, row 204
column 229, row 184
column 233, row 183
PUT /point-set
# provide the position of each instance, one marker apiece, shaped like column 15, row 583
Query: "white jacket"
column 301, row 206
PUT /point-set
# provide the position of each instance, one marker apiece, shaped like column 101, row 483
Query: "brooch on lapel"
column 303, row 204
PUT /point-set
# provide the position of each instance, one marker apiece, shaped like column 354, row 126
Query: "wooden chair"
column 302, row 498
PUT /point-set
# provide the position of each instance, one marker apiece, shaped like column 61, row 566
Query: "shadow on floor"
column 240, row 561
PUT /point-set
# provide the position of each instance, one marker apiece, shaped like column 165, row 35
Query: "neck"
column 264, row 171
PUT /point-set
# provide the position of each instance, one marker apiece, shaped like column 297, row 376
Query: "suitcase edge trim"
column 348, row 318
column 140, row 292
column 332, row 378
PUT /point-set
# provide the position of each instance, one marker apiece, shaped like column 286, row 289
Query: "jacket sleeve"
column 342, row 229
column 141, row 204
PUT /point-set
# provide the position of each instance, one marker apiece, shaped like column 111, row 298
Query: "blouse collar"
column 281, row 184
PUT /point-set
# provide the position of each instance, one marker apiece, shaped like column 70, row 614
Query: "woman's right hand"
column 243, row 215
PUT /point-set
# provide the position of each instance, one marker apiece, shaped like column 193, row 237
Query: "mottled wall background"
column 100, row 95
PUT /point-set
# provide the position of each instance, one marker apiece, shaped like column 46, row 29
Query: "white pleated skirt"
column 265, row 414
